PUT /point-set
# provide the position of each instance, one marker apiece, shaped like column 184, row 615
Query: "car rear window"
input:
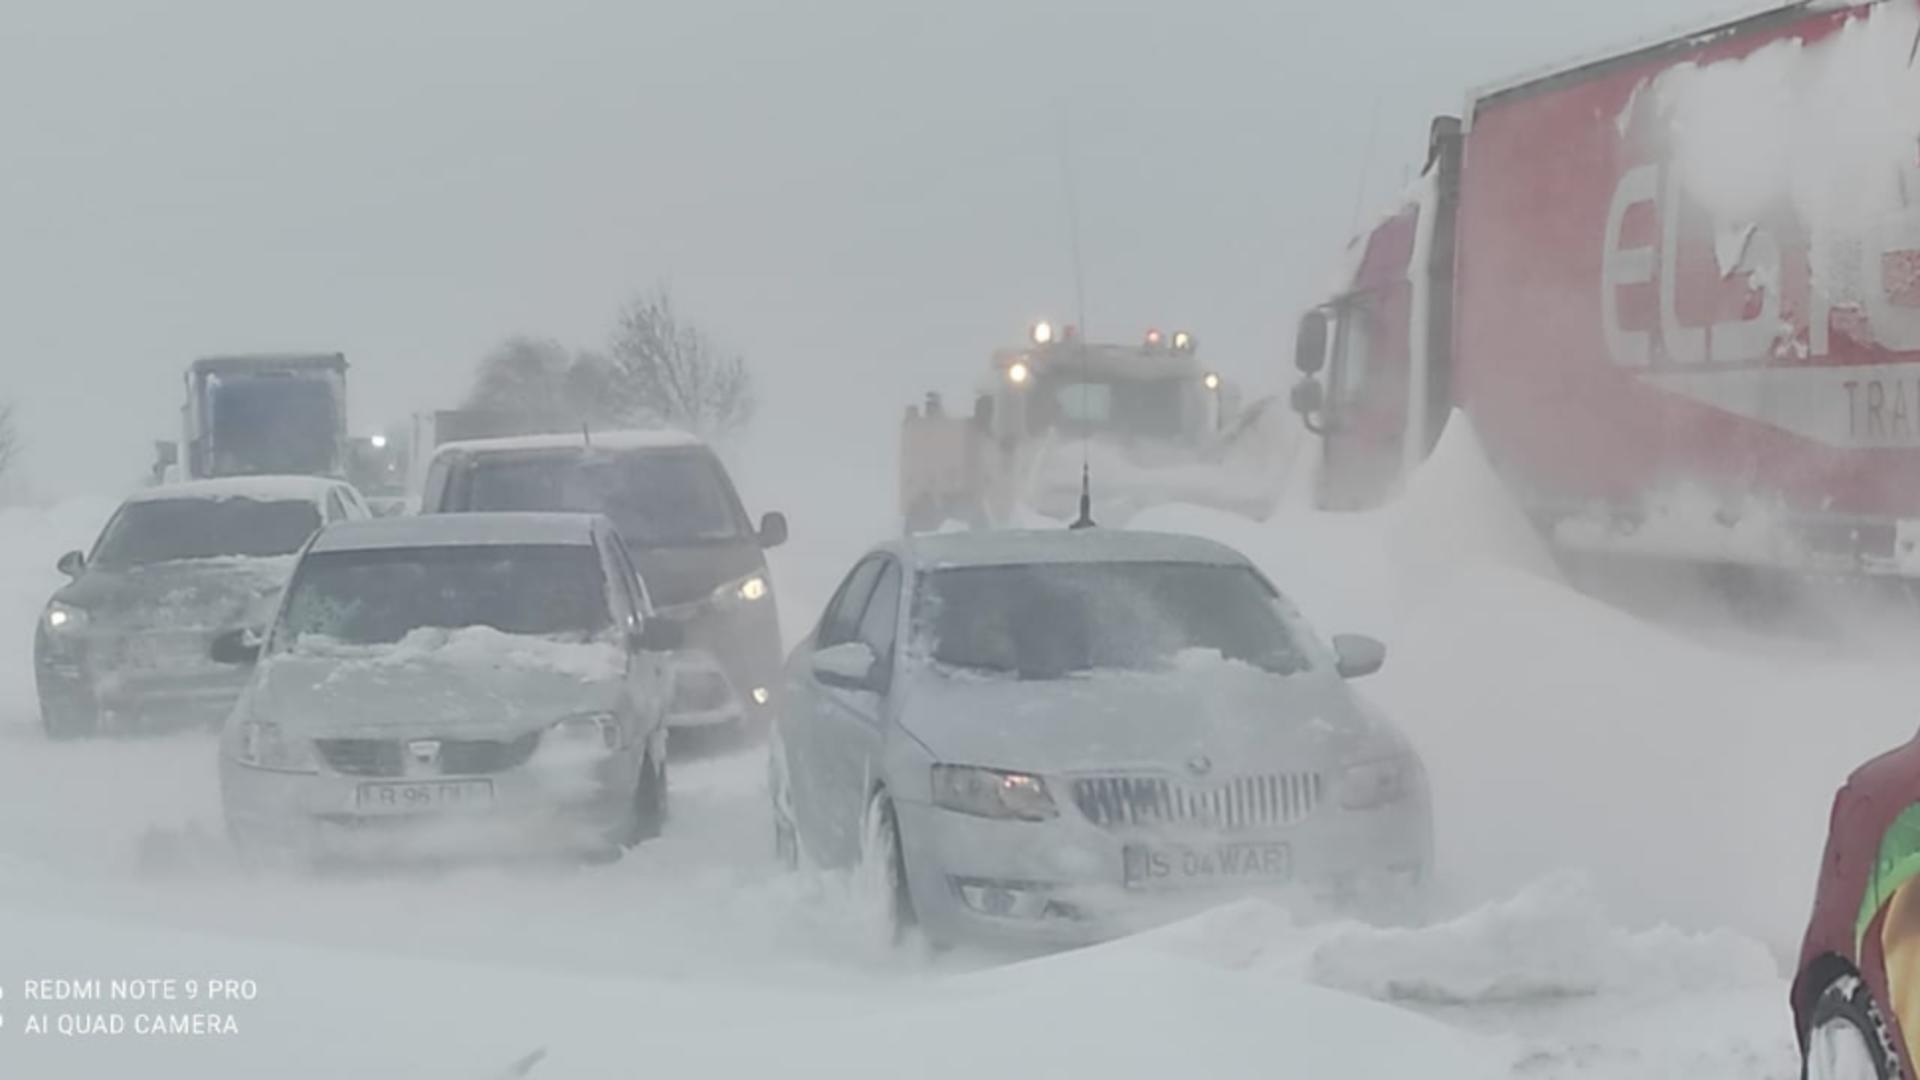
column 1050, row 621
column 171, row 530
column 378, row 597
column 655, row 498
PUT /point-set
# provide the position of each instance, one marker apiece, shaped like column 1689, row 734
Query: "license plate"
column 424, row 796
column 1179, row 865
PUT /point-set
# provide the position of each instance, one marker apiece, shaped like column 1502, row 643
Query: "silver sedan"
column 1046, row 738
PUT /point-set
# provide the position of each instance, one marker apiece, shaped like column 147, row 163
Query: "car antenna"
column 586, row 437
column 1085, row 520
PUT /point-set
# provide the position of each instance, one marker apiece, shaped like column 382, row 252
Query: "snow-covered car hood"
column 197, row 594
column 476, row 682
column 1231, row 713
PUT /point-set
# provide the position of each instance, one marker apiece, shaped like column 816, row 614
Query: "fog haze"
column 856, row 195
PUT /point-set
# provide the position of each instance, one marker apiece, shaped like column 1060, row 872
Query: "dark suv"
column 678, row 512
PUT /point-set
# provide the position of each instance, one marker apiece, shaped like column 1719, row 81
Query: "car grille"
column 457, row 757
column 1242, row 802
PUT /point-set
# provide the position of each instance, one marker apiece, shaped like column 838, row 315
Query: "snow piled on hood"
column 474, row 647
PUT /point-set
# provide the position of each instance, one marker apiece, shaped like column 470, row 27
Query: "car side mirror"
column 72, row 564
column 241, row 646
column 1357, row 655
column 657, row 636
column 1310, row 343
column 849, row 665
column 773, row 529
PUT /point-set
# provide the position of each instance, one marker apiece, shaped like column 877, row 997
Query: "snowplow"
column 1676, row 292
column 1147, row 421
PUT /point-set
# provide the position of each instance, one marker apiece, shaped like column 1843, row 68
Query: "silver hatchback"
column 1055, row 737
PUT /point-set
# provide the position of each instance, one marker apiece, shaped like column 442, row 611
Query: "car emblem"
column 424, row 751
column 1199, row 764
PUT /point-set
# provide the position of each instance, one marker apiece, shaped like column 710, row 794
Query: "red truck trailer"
column 1675, row 289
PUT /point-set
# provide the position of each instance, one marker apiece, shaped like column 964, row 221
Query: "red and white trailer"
column 1676, row 289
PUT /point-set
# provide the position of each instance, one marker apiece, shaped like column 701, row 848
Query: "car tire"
column 65, row 718
column 649, row 803
column 880, row 878
column 1846, row 1037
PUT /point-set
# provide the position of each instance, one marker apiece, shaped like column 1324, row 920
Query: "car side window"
column 433, row 493
column 356, row 506
column 626, row 606
column 841, row 623
column 882, row 611
column 336, row 507
column 882, row 614
column 643, row 600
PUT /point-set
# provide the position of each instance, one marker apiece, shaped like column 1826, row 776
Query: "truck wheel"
column 1846, row 1039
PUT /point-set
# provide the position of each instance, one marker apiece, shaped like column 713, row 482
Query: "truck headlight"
column 65, row 618
column 264, row 745
column 992, row 793
column 1377, row 783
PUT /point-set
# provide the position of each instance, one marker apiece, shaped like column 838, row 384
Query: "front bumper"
column 728, row 668
column 1063, row 881
column 532, row 808
column 185, row 690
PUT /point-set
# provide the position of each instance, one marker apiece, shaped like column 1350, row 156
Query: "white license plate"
column 1180, row 865
column 423, row 796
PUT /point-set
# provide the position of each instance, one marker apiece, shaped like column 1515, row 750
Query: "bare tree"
column 522, row 374
column 669, row 372
column 9, row 438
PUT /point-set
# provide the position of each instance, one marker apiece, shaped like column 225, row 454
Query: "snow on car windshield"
column 170, row 530
column 655, row 498
column 1049, row 621
column 379, row 597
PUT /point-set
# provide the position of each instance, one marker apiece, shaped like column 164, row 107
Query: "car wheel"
column 1846, row 1039
column 880, row 878
column 649, row 802
column 68, row 717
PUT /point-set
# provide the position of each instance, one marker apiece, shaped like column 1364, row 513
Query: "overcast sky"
column 863, row 197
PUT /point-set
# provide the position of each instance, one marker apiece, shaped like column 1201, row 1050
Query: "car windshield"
column 378, row 597
column 170, row 530
column 656, row 498
column 1049, row 621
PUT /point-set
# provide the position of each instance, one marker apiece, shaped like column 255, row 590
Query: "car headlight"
column 1372, row 784
column 744, row 591
column 65, row 618
column 265, row 745
column 992, row 793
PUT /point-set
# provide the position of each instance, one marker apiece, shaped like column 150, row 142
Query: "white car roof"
column 457, row 530
column 267, row 488
column 652, row 439
column 1013, row 547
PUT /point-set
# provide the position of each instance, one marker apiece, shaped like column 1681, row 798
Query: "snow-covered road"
column 1596, row 777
